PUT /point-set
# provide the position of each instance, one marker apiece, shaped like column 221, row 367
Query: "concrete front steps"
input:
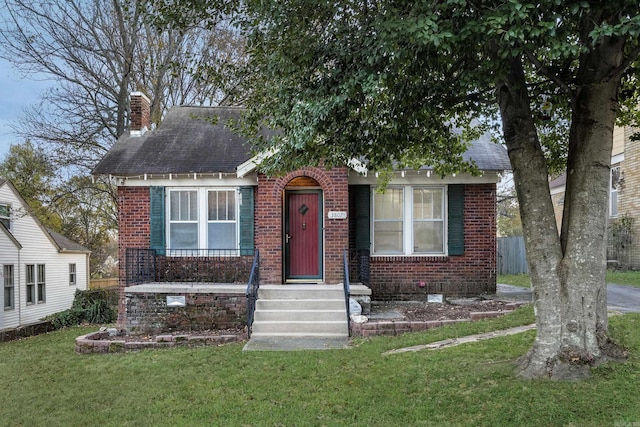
column 299, row 311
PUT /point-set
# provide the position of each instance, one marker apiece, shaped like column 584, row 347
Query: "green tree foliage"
column 34, row 176
column 78, row 208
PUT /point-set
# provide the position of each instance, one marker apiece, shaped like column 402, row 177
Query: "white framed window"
column 9, row 287
column 30, row 280
column 388, row 221
column 616, row 180
column 73, row 278
column 409, row 220
column 42, row 285
column 202, row 218
column 5, row 215
column 183, row 219
column 221, row 219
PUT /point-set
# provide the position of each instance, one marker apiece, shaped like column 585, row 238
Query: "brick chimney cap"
column 138, row 93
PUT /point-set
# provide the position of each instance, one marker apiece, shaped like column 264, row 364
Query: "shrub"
column 92, row 306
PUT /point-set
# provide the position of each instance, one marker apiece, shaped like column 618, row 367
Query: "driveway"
column 621, row 298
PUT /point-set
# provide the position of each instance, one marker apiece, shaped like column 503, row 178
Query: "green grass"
column 521, row 280
column 629, row 278
column 44, row 382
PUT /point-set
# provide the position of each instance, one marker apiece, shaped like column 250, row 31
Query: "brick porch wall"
column 471, row 274
column 269, row 217
column 133, row 232
column 149, row 313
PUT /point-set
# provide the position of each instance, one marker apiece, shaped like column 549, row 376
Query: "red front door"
column 303, row 235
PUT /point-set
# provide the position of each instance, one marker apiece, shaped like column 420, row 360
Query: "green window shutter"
column 456, row 219
column 156, row 213
column 362, row 200
column 246, row 221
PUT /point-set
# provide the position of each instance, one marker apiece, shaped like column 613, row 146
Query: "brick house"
column 624, row 199
column 192, row 185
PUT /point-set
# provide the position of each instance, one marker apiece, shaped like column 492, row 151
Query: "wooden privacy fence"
column 512, row 257
column 103, row 283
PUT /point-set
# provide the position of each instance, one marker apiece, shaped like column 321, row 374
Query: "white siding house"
column 40, row 270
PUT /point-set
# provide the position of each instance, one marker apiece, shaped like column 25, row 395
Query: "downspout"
column 19, row 289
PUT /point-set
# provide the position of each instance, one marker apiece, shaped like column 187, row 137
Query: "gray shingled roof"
column 488, row 155
column 559, row 181
column 187, row 142
column 65, row 244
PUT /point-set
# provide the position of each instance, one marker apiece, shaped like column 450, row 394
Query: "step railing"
column 252, row 291
column 347, row 287
column 359, row 265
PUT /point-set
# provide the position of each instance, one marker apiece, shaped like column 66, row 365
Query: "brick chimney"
column 140, row 114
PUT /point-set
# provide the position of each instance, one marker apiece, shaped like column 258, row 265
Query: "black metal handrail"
column 252, row 291
column 145, row 265
column 359, row 266
column 347, row 288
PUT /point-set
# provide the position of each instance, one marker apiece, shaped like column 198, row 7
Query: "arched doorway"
column 303, row 224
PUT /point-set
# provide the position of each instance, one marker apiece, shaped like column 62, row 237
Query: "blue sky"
column 16, row 93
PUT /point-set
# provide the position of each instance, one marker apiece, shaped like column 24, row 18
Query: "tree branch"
column 548, row 74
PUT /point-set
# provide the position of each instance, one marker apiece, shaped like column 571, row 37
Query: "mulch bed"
column 426, row 311
column 152, row 337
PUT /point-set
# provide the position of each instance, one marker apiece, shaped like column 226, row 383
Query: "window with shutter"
column 456, row 219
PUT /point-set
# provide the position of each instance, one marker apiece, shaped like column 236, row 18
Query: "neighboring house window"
column 30, row 279
column 616, row 180
column 72, row 275
column 409, row 220
column 203, row 219
column 5, row 216
column 9, row 288
column 41, row 284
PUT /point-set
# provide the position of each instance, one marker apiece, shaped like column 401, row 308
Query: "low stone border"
column 398, row 327
column 463, row 340
column 99, row 342
column 32, row 329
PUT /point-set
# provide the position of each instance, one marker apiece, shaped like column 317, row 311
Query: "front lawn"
column 521, row 280
column 629, row 278
column 44, row 382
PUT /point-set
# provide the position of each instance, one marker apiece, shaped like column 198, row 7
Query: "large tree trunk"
column 568, row 273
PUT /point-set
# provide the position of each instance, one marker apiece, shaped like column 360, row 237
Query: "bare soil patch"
column 426, row 311
column 153, row 337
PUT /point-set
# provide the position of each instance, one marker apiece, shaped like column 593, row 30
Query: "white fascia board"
column 251, row 164
column 618, row 158
column 183, row 180
column 422, row 178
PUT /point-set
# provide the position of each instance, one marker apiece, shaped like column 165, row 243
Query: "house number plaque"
column 337, row 215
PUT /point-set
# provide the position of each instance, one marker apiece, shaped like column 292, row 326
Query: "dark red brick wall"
column 269, row 218
column 133, row 231
column 140, row 113
column 470, row 274
column 149, row 313
column 391, row 277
